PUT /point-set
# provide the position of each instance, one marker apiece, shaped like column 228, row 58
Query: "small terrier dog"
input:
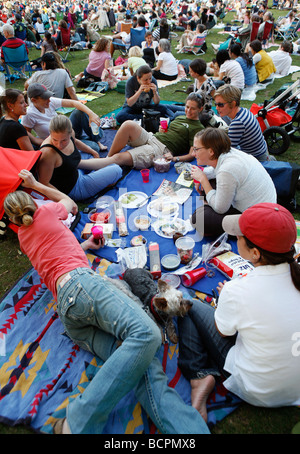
column 160, row 301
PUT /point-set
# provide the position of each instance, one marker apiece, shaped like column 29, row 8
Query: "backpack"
column 151, row 120
column 285, row 176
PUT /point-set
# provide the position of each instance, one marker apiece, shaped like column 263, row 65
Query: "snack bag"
column 231, row 265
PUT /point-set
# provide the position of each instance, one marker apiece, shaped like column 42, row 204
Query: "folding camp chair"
column 198, row 48
column 290, row 33
column 254, row 30
column 137, row 37
column 65, row 45
column 125, row 27
column 267, row 32
column 16, row 62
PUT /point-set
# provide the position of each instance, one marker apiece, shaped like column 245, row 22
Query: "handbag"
column 150, row 120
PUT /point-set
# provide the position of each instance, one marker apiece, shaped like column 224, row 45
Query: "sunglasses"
column 220, row 104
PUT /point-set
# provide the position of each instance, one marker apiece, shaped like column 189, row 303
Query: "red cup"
column 145, row 175
column 196, row 181
column 164, row 125
column 191, row 277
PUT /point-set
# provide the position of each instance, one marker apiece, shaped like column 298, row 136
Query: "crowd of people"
column 247, row 338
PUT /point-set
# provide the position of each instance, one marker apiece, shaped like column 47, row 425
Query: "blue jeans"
column 128, row 113
column 101, row 319
column 89, row 184
column 202, row 350
column 80, row 123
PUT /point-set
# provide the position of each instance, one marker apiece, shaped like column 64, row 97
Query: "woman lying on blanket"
column 99, row 318
column 175, row 144
column 43, row 108
column 61, row 163
column 252, row 338
column 237, row 181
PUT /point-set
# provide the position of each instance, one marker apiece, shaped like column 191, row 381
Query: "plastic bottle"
column 113, row 121
column 95, row 128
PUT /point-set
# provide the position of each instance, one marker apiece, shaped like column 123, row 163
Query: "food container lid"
column 170, row 261
column 172, row 279
column 185, row 242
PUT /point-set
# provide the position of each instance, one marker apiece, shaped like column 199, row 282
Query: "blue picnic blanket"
column 42, row 370
column 133, row 182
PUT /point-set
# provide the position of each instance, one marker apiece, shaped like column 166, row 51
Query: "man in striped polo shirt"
column 244, row 130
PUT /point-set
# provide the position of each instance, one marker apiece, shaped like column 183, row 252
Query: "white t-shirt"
column 39, row 121
column 242, row 181
column 56, row 80
column 282, row 61
column 233, row 69
column 169, row 65
column 264, row 309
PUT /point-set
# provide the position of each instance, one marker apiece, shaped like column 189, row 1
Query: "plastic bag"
column 218, row 247
column 132, row 257
column 110, row 78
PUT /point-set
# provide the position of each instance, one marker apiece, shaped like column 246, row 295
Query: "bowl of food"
column 142, row 222
column 161, row 165
column 100, row 215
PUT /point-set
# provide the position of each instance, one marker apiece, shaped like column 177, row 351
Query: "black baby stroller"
column 277, row 125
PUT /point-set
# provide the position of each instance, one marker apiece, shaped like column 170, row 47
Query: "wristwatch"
column 177, row 159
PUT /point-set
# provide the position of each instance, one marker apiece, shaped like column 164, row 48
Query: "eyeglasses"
column 220, row 104
column 195, row 149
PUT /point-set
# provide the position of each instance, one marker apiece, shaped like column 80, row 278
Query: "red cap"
column 267, row 225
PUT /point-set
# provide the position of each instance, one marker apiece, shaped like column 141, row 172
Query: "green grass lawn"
column 246, row 419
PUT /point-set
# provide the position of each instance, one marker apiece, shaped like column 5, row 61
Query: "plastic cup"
column 164, row 124
column 185, row 246
column 145, row 175
column 97, row 232
column 191, row 277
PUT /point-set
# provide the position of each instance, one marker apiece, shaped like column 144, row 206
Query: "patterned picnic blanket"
column 42, row 370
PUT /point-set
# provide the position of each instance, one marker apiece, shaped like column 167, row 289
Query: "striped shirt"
column 245, row 134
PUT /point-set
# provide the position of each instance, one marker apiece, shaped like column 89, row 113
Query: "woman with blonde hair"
column 61, row 163
column 135, row 59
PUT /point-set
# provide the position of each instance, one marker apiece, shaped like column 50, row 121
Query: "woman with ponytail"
column 99, row 318
column 253, row 337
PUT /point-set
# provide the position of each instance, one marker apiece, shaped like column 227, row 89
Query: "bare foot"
column 102, row 147
column 201, row 388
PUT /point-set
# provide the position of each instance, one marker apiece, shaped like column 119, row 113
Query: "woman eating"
column 240, row 181
column 141, row 92
column 175, row 144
